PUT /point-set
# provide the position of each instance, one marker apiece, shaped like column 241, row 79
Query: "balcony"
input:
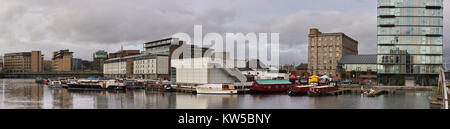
column 386, row 6
column 433, row 6
column 386, row 16
column 433, row 35
column 387, row 25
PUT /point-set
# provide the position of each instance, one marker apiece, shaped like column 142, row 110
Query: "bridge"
column 51, row 74
column 441, row 93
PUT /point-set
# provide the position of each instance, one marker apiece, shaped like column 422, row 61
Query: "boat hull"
column 321, row 90
column 160, row 87
column 223, row 92
column 299, row 90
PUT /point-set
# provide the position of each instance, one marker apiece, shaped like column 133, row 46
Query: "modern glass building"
column 409, row 42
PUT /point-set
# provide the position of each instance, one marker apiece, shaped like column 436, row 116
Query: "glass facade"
column 409, row 41
column 358, row 67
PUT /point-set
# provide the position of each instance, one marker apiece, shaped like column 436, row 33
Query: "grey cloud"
column 88, row 25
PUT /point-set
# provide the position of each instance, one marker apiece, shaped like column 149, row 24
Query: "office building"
column 62, row 61
column 99, row 58
column 24, row 62
column 360, row 69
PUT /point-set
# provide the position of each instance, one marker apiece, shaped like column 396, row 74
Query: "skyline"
column 87, row 26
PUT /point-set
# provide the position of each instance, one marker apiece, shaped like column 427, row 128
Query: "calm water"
column 24, row 94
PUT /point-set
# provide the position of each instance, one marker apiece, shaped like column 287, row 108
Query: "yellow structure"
column 313, row 78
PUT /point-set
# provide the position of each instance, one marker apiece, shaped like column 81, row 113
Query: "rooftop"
column 359, row 59
column 270, row 82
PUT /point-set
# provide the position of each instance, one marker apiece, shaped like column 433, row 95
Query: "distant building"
column 62, row 60
column 1, row 63
column 47, row 65
column 162, row 46
column 99, row 58
column 360, row 68
column 153, row 63
column 81, row 65
column 124, row 53
column 300, row 70
column 151, row 67
column 326, row 49
column 24, row 62
column 144, row 66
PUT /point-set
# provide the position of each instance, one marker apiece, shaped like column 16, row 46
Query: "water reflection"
column 24, row 93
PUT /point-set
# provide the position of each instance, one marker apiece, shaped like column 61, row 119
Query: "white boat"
column 55, row 84
column 216, row 89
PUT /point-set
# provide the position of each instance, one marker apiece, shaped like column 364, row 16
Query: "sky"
column 85, row 26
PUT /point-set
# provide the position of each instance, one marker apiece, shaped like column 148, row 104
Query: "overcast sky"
column 84, row 26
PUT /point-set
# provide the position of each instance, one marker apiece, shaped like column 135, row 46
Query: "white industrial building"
column 115, row 67
column 151, row 67
column 145, row 66
column 206, row 70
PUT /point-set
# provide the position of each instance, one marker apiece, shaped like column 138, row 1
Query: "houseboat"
column 134, row 84
column 216, row 89
column 159, row 85
column 321, row 90
column 300, row 90
column 96, row 84
column 268, row 86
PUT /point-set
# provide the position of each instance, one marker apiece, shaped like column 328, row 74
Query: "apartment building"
column 23, row 62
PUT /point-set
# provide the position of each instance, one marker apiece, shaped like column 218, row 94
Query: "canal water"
column 25, row 94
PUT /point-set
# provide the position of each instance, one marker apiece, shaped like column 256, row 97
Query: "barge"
column 97, row 84
column 321, row 90
column 300, row 90
column 271, row 86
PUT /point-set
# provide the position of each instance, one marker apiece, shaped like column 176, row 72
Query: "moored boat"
column 216, row 89
column 321, row 90
column 269, row 86
column 159, row 85
column 39, row 80
column 299, row 90
column 96, row 84
column 134, row 84
column 55, row 84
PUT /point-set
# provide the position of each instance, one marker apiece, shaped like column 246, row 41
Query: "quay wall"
column 51, row 75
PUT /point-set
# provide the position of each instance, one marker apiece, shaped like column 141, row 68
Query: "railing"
column 442, row 89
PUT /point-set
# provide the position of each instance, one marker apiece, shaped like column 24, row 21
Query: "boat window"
column 269, row 87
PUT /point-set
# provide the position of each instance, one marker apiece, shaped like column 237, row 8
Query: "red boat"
column 321, row 90
column 300, row 90
column 267, row 86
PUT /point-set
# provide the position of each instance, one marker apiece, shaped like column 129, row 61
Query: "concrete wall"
column 162, row 64
column 219, row 76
